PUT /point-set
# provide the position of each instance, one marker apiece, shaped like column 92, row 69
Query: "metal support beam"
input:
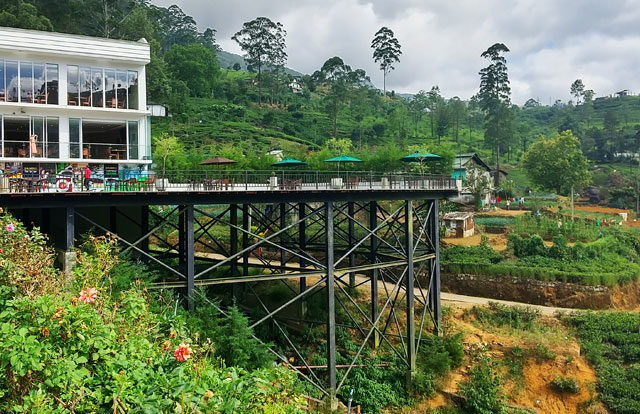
column 302, row 241
column 283, row 236
column 70, row 229
column 181, row 237
column 246, row 226
column 352, row 255
column 434, row 282
column 190, row 254
column 373, row 223
column 411, row 335
column 144, row 229
column 331, row 306
column 233, row 242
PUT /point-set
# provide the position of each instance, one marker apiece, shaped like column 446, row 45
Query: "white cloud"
column 552, row 42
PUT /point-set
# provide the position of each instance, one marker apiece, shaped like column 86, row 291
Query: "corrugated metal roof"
column 458, row 215
column 60, row 44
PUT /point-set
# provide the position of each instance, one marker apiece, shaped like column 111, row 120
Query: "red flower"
column 89, row 295
column 182, row 353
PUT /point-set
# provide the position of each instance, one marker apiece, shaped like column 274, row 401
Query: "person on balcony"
column 87, row 178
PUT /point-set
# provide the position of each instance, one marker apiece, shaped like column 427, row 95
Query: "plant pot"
column 336, row 183
column 273, row 182
column 385, row 183
column 162, row 184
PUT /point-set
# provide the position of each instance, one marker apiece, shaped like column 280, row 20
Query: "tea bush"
column 611, row 342
column 565, row 384
column 483, row 390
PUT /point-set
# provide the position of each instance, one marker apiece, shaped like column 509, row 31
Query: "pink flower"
column 0, row 250
column 10, row 227
column 89, row 295
column 182, row 353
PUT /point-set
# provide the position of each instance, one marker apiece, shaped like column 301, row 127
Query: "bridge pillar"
column 434, row 277
column 331, row 306
column 411, row 339
column 67, row 254
column 373, row 223
column 351, row 211
column 190, row 254
column 302, row 241
column 233, row 248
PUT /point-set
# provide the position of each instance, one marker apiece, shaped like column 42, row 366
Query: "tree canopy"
column 557, row 163
column 386, row 51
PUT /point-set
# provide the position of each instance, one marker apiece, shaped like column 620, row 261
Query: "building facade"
column 69, row 99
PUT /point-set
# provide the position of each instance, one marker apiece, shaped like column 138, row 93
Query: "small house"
column 459, row 224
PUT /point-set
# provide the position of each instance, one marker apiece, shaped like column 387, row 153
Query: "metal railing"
column 243, row 180
column 87, row 151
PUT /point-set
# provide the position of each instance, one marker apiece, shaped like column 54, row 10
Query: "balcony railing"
column 89, row 152
column 224, row 181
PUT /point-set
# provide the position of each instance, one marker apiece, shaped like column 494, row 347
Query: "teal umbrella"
column 343, row 158
column 420, row 157
column 288, row 162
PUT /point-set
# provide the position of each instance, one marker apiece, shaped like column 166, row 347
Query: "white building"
column 72, row 99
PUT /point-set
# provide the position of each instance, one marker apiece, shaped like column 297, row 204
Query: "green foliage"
column 565, row 385
column 483, row 391
column 480, row 254
column 23, row 15
column 557, row 163
column 195, row 65
column 116, row 353
column 515, row 317
column 611, row 342
column 541, row 353
column 236, row 344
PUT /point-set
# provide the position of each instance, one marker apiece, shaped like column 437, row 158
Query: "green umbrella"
column 287, row 162
column 420, row 157
column 343, row 158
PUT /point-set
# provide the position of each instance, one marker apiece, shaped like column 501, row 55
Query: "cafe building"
column 68, row 101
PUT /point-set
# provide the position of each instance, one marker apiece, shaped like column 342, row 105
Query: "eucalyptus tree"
column 495, row 101
column 577, row 90
column 417, row 106
column 434, row 100
column 386, row 51
column 458, row 111
column 263, row 43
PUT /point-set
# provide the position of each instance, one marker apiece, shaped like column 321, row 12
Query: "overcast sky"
column 552, row 42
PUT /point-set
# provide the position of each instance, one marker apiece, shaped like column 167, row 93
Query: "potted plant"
column 166, row 146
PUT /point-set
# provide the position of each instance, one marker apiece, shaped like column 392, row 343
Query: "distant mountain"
column 228, row 59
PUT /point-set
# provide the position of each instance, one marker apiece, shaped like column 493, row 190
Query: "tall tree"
column 417, row 105
column 577, row 90
column 194, row 64
column 386, row 51
column 434, row 100
column 495, row 100
column 458, row 113
column 557, row 163
column 263, row 44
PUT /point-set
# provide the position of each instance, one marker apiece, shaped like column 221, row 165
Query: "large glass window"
column 122, row 89
column 12, row 81
column 97, row 79
column 133, row 90
column 39, row 84
column 104, row 140
column 16, row 137
column 52, row 84
column 2, row 88
column 133, row 140
column 73, row 97
column 37, row 138
column 110, row 99
column 74, row 137
column 26, row 82
column 85, row 86
column 53, row 138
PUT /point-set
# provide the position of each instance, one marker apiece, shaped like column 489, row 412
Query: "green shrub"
column 541, row 353
column 565, row 385
column 483, row 390
column 516, row 317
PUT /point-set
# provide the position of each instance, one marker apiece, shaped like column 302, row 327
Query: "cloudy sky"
column 552, row 42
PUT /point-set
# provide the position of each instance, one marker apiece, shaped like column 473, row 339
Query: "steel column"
column 302, row 241
column 233, row 250
column 373, row 223
column 190, row 254
column 411, row 335
column 331, row 311
column 113, row 220
column 283, row 236
column 352, row 256
column 70, row 229
column 246, row 226
column 434, row 284
column 181, row 237
column 144, row 229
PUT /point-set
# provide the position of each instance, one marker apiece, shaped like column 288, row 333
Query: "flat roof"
column 63, row 44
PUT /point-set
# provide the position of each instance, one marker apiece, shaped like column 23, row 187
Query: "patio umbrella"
column 421, row 157
column 288, row 162
column 343, row 158
column 218, row 160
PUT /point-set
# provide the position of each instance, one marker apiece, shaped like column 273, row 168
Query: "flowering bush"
column 88, row 351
